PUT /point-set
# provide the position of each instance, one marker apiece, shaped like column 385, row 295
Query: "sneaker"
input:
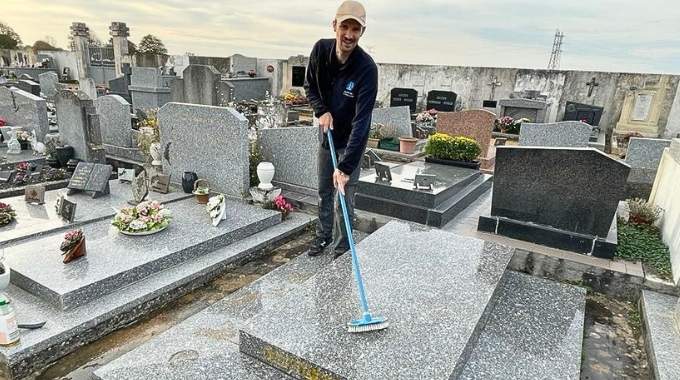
column 319, row 246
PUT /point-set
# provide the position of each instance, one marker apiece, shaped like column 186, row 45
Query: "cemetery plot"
column 115, row 260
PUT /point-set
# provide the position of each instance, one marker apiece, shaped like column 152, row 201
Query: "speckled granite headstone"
column 561, row 134
column 23, row 109
column 573, row 189
column 200, row 84
column 211, row 141
column 293, row 151
column 645, row 153
column 49, row 83
column 396, row 119
column 115, row 120
column 79, row 125
column 475, row 124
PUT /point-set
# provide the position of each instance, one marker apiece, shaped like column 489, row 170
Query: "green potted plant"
column 452, row 150
column 202, row 191
column 375, row 135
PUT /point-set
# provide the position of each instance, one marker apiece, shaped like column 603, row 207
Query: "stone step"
column 438, row 216
column 34, row 220
column 67, row 330
column 114, row 260
column 211, row 336
column 436, row 289
column 661, row 325
column 534, row 332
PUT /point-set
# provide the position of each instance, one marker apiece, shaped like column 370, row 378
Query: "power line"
column 554, row 63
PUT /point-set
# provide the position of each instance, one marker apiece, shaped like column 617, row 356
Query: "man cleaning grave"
column 341, row 85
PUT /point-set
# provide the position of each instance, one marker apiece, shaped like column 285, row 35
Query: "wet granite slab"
column 434, row 317
column 34, row 220
column 67, row 330
column 211, row 336
column 450, row 179
column 114, row 260
column 534, row 332
column 662, row 335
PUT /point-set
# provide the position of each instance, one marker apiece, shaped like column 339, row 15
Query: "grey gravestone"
column 88, row 86
column 444, row 101
column 500, row 141
column 247, row 88
column 534, row 110
column 115, row 120
column 404, row 97
column 579, row 112
column 561, row 134
column 573, row 189
column 383, row 172
column 91, row 177
column 119, row 86
column 49, row 83
column 139, row 188
column 149, row 88
column 79, row 125
column 200, row 84
column 646, row 153
column 21, row 108
column 293, row 152
column 29, row 86
column 398, row 118
column 220, row 134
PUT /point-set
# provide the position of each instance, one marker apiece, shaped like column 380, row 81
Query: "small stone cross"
column 494, row 83
column 591, row 85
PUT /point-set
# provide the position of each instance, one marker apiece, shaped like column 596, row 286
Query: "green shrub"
column 643, row 242
column 642, row 212
column 458, row 148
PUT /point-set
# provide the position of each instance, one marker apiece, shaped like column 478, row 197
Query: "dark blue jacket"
column 348, row 92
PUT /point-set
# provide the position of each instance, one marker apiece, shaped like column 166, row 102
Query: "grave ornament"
column 90, row 177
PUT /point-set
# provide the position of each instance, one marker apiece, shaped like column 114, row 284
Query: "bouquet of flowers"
column 283, row 205
column 507, row 124
column 146, row 216
column 7, row 214
column 73, row 246
column 24, row 136
column 426, row 117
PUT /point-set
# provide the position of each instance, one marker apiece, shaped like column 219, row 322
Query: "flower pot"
column 63, row 154
column 373, row 143
column 188, row 180
column 78, row 251
column 4, row 274
column 201, row 198
column 265, row 173
column 155, row 153
column 407, row 144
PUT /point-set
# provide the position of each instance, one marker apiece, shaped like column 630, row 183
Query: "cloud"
column 602, row 35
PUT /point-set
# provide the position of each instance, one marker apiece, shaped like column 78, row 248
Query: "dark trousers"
column 330, row 212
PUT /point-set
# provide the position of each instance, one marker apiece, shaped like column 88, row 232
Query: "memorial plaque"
column 160, row 183
column 35, row 194
column 444, row 101
column 383, row 172
column 90, row 177
column 140, row 188
column 126, row 175
column 489, row 103
column 643, row 102
column 424, row 181
column 500, row 141
column 80, row 176
column 65, row 208
column 404, row 97
column 99, row 178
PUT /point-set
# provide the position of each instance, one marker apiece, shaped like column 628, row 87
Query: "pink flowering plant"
column 507, row 124
column 71, row 238
column 23, row 166
column 146, row 216
column 281, row 204
column 7, row 214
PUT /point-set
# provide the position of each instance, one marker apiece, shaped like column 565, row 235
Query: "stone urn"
column 155, row 153
column 265, row 173
column 407, row 144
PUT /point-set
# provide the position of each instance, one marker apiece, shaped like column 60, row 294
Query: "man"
column 341, row 85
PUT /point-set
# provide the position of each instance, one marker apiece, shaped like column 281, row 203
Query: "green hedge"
column 458, row 148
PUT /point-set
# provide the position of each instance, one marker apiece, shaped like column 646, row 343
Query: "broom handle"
column 350, row 238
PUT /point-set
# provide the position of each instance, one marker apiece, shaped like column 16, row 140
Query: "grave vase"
column 64, row 154
column 265, row 173
column 188, row 180
column 155, row 153
column 407, row 144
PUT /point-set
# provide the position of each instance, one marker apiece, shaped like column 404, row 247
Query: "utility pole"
column 554, row 63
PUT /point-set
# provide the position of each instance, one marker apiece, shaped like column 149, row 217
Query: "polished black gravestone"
column 444, row 101
column 404, row 97
column 583, row 112
column 453, row 189
column 564, row 198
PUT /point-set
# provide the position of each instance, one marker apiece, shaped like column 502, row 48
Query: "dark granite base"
column 460, row 164
column 550, row 236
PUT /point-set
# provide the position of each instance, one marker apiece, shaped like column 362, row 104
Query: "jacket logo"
column 348, row 89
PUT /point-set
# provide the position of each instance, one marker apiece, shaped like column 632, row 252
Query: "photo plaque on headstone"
column 140, row 188
column 35, row 194
column 126, row 175
column 66, row 209
column 90, row 177
column 383, row 172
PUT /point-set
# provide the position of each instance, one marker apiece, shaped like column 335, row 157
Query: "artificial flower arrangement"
column 216, row 207
column 7, row 214
column 146, row 218
column 73, row 246
column 281, row 204
column 23, row 136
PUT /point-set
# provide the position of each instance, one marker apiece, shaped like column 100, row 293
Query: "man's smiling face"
column 347, row 35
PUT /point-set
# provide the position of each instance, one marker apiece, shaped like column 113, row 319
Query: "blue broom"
column 367, row 322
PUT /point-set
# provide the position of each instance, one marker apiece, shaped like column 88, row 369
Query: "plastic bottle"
column 9, row 331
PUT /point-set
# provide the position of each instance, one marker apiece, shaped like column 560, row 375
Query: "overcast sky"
column 607, row 35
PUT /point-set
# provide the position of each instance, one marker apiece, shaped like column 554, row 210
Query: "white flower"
column 165, row 213
column 137, row 225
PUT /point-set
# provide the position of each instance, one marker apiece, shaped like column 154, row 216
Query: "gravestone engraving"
column 140, row 188
column 404, row 97
column 160, row 183
column 90, row 177
column 424, row 181
column 35, row 194
column 444, row 101
column 383, row 172
column 643, row 103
